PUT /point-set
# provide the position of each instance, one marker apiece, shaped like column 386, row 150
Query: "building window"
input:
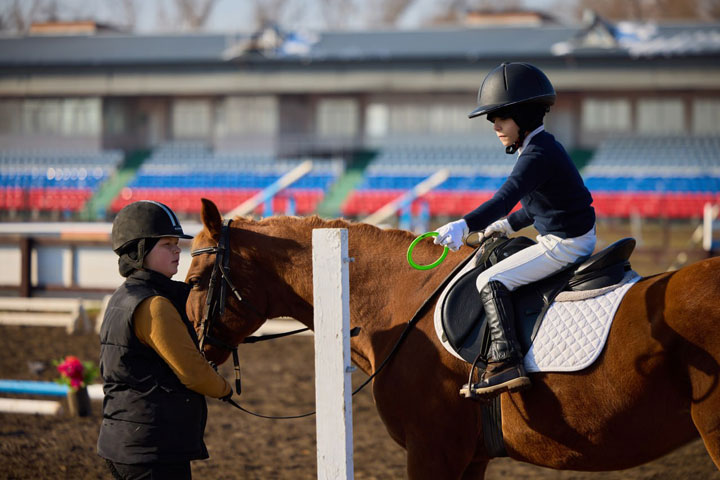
column 660, row 116
column 114, row 117
column 605, row 115
column 68, row 117
column 10, row 116
column 42, row 116
column 377, row 120
column 448, row 118
column 408, row 118
column 191, row 118
column 423, row 118
column 337, row 117
column 706, row 116
column 81, row 116
column 251, row 115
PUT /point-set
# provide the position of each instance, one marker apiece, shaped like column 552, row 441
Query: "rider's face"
column 164, row 257
column 506, row 129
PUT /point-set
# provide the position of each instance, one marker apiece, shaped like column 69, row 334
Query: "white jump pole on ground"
column 35, row 407
column 389, row 209
column 333, row 387
column 269, row 192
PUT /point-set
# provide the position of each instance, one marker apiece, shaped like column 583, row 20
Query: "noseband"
column 217, row 296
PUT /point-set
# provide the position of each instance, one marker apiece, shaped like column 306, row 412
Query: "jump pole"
column 270, row 191
column 389, row 209
column 37, row 407
column 32, row 387
column 333, row 387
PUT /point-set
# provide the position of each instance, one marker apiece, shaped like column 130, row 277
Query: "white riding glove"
column 452, row 235
column 501, row 226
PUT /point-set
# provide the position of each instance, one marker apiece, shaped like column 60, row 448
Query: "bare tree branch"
column 129, row 9
column 337, row 13
column 194, row 13
column 16, row 18
column 268, row 12
column 391, row 10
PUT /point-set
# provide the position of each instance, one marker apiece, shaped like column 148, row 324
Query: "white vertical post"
column 710, row 212
column 333, row 388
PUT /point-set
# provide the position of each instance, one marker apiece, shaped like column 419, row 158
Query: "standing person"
column 554, row 199
column 154, row 410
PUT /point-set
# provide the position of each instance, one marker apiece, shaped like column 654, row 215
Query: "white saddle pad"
column 572, row 334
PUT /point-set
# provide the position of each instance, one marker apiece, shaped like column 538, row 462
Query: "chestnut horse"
column 653, row 389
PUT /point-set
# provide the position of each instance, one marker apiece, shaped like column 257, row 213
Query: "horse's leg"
column 706, row 421
column 705, row 408
column 426, row 461
column 475, row 471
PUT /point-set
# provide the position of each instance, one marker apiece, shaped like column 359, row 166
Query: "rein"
column 215, row 307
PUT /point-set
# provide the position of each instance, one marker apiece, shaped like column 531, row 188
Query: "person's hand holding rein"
column 500, row 226
column 452, row 235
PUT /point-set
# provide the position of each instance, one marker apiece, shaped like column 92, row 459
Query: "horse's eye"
column 194, row 282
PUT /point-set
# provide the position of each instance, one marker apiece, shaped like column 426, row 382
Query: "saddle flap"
column 462, row 309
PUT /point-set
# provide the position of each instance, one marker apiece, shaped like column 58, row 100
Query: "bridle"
column 215, row 307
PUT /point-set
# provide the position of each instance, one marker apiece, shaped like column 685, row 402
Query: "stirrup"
column 486, row 389
column 479, row 391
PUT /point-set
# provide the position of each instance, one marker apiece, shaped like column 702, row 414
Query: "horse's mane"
column 314, row 221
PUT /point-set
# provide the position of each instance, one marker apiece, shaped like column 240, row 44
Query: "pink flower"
column 73, row 369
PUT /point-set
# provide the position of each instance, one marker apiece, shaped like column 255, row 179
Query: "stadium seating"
column 668, row 177
column 49, row 181
column 476, row 171
column 179, row 175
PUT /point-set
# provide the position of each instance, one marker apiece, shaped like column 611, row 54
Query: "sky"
column 238, row 15
column 228, row 14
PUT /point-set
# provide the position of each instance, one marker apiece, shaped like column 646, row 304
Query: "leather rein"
column 215, row 307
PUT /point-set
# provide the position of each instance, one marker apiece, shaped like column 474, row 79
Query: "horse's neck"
column 385, row 291
column 377, row 272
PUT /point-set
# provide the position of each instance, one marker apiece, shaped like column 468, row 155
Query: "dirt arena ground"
column 278, row 379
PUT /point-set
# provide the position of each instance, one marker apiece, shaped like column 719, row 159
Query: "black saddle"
column 463, row 317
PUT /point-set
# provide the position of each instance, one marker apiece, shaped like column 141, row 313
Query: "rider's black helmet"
column 511, row 84
column 144, row 219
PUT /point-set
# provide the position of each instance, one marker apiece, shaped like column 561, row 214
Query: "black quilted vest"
column 149, row 416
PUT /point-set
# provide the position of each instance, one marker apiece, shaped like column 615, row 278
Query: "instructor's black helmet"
column 144, row 219
column 511, row 84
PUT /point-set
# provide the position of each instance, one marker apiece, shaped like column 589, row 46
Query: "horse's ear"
column 211, row 217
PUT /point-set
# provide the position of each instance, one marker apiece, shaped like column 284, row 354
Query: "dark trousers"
column 150, row 471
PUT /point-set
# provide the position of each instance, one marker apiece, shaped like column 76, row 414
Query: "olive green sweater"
column 158, row 325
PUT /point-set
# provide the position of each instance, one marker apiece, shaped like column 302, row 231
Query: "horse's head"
column 222, row 305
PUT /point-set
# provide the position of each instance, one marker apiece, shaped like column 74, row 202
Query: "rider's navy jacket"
column 149, row 416
column 550, row 189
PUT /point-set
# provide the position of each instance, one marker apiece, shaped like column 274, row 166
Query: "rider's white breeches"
column 550, row 255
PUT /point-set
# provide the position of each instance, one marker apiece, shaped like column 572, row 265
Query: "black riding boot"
column 505, row 370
